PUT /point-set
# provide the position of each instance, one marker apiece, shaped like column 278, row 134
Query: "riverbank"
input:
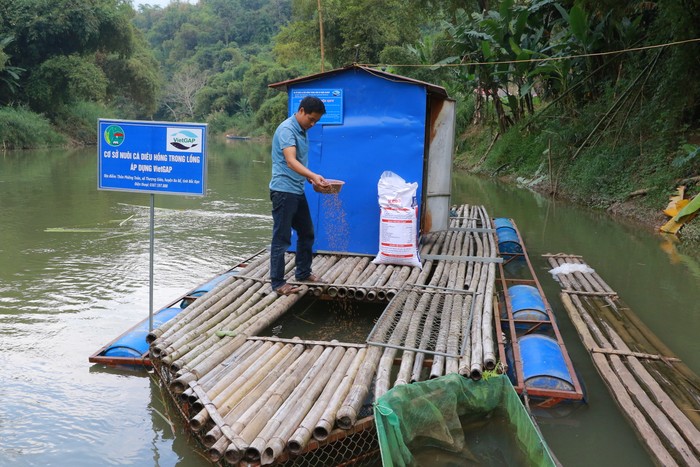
column 635, row 210
column 630, row 180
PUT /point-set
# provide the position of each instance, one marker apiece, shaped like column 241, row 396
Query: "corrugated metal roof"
column 432, row 88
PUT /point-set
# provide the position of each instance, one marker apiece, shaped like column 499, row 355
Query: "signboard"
column 332, row 99
column 151, row 157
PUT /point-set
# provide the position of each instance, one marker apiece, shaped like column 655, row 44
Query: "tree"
column 353, row 32
column 181, row 93
column 93, row 36
column 63, row 80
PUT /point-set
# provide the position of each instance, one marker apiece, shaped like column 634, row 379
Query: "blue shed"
column 375, row 122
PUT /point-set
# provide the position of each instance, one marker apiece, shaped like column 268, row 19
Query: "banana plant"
column 9, row 75
column 501, row 44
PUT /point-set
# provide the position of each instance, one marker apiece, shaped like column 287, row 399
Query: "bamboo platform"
column 249, row 398
column 656, row 391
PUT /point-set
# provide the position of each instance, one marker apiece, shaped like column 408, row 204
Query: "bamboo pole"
column 205, row 320
column 294, row 407
column 347, row 269
column 453, row 337
column 408, row 356
column 179, row 384
column 276, row 444
column 483, row 302
column 192, row 313
column 334, row 343
column 272, row 400
column 437, row 369
column 386, row 362
column 332, row 277
column 372, row 280
column 246, row 392
column 240, row 380
column 225, row 435
column 204, row 300
column 351, row 281
column 633, row 330
column 347, row 413
column 214, row 381
column 253, row 326
column 425, row 338
column 487, row 320
column 334, row 388
column 243, row 353
column 185, row 342
column 329, row 416
column 670, row 421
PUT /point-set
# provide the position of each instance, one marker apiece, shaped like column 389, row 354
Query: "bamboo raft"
column 656, row 391
column 249, row 398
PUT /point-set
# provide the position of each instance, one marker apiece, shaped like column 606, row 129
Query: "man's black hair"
column 312, row 104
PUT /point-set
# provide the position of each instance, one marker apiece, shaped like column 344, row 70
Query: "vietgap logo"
column 184, row 139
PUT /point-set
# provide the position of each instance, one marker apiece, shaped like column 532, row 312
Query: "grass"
column 23, row 129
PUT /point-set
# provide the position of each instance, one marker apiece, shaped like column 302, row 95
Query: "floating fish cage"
column 530, row 342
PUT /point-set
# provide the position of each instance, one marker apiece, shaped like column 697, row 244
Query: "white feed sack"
column 398, row 221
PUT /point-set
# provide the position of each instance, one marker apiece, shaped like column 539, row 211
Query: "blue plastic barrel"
column 204, row 288
column 526, row 303
column 543, row 363
column 501, row 222
column 508, row 241
column 133, row 344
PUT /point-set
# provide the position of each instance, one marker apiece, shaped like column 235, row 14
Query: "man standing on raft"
column 290, row 210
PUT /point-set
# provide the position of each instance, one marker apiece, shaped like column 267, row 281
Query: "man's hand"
column 317, row 179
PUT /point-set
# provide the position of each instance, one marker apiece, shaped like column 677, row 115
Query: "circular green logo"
column 114, row 135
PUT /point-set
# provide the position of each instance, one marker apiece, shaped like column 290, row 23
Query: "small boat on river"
column 238, row 138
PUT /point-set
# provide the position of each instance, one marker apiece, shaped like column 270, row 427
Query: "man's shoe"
column 314, row 278
column 287, row 289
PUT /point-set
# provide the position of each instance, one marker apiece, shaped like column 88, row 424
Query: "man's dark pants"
column 290, row 211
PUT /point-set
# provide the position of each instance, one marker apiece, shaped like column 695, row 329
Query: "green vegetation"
column 22, row 129
column 577, row 97
column 56, row 56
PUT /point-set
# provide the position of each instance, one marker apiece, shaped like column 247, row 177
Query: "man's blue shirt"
column 289, row 133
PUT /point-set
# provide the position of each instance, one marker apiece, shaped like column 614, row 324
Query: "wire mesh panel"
column 357, row 448
column 426, row 319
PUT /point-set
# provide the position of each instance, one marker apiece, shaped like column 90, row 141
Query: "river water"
column 74, row 267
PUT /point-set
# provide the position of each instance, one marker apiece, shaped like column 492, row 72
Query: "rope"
column 531, row 60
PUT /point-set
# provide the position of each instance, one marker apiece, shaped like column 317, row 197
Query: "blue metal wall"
column 383, row 129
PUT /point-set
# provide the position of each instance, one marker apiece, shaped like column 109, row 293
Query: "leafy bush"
column 79, row 121
column 22, row 129
column 219, row 122
column 271, row 113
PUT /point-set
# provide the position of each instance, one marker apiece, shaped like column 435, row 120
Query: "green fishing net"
column 455, row 421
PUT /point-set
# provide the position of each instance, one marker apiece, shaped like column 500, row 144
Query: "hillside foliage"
column 595, row 99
